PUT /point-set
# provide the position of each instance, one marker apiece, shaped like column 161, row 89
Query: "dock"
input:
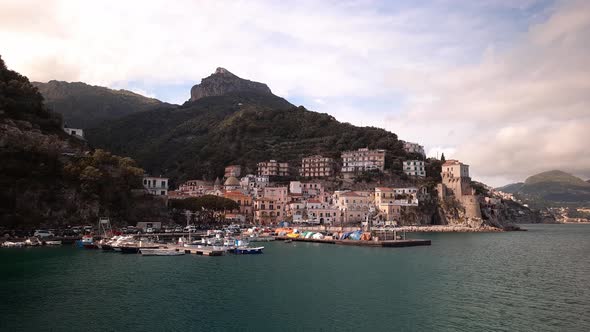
column 385, row 243
column 204, row 251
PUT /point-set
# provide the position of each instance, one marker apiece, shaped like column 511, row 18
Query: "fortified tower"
column 456, row 182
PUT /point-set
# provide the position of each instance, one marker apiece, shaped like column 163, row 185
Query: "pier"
column 370, row 243
column 204, row 251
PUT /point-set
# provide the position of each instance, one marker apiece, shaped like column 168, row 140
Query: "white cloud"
column 471, row 82
column 516, row 112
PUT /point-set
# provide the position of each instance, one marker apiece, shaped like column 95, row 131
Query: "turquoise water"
column 521, row 281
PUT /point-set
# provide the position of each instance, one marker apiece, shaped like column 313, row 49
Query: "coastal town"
column 313, row 193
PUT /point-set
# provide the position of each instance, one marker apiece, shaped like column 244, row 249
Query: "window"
column 163, row 183
column 162, row 193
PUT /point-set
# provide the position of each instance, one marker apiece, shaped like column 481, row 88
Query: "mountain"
column 200, row 137
column 51, row 178
column 511, row 188
column 552, row 188
column 85, row 106
column 222, row 82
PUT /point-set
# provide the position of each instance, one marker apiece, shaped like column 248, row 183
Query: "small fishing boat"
column 33, row 242
column 9, row 244
column 160, row 252
column 87, row 242
column 248, row 250
column 53, row 243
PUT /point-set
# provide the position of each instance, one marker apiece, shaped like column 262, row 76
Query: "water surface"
column 520, row 281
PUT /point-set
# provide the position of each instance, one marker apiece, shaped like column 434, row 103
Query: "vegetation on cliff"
column 49, row 177
column 85, row 106
column 200, row 138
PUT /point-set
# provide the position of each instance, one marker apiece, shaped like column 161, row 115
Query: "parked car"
column 178, row 229
column 43, row 233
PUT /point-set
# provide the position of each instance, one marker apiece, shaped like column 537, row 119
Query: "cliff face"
column 222, row 82
column 50, row 178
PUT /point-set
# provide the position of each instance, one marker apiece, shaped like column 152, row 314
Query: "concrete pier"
column 204, row 251
column 388, row 243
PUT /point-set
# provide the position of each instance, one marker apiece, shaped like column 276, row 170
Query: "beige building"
column 317, row 166
column 455, row 177
column 363, row 160
column 267, row 211
column 457, row 183
column 272, row 168
column 354, row 206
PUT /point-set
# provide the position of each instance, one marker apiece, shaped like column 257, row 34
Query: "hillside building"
column 272, row 168
column 414, row 148
column 456, row 183
column 74, row 132
column 363, row 160
column 156, row 185
column 233, row 170
column 414, row 168
column 317, row 166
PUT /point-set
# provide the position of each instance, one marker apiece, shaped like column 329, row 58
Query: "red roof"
column 384, row 188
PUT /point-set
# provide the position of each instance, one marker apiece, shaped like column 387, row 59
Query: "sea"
column 538, row 280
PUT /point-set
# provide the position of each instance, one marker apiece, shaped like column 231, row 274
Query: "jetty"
column 361, row 243
column 202, row 251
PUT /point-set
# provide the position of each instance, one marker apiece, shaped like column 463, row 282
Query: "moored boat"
column 52, row 243
column 248, row 250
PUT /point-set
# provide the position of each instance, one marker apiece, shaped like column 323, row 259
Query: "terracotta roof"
column 384, row 188
column 451, row 162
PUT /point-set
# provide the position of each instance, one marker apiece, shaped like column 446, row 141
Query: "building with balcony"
column 156, row 185
column 363, row 160
column 316, row 167
column 272, row 168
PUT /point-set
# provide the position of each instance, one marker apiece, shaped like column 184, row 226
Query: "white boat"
column 9, row 244
column 33, row 242
column 160, row 252
column 53, row 243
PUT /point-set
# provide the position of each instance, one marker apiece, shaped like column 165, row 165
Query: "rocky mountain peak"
column 223, row 82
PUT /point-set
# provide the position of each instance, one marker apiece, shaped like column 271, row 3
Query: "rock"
column 223, row 82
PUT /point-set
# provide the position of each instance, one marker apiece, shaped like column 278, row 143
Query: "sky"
column 502, row 85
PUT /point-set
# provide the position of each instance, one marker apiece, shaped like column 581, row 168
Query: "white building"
column 156, row 185
column 74, row 132
column 414, row 168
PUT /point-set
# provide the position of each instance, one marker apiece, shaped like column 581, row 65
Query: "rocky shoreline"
column 451, row 229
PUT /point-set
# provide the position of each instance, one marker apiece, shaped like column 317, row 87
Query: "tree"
column 442, row 157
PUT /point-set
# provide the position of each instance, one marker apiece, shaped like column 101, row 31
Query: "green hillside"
column 552, row 188
column 201, row 137
column 85, row 106
column 50, row 178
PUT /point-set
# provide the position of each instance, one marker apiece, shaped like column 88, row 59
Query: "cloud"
column 515, row 112
column 501, row 84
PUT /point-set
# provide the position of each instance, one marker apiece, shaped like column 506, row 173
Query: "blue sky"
column 456, row 76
